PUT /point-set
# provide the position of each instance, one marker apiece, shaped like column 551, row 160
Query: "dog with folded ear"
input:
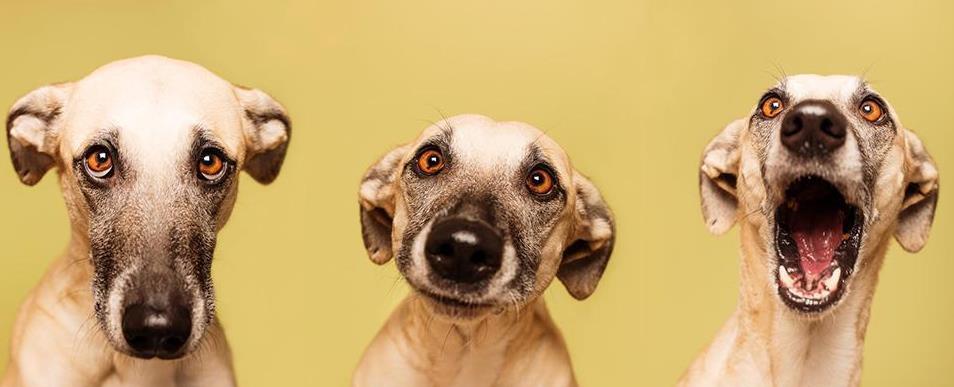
column 480, row 217
column 147, row 153
column 820, row 177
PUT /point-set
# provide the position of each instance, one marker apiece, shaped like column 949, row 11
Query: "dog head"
column 820, row 175
column 148, row 151
column 481, row 215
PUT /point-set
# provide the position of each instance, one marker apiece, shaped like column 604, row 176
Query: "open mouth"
column 818, row 236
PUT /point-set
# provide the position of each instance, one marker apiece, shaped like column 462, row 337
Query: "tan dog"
column 819, row 178
column 480, row 217
column 147, row 152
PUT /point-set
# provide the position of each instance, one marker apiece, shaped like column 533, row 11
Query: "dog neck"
column 505, row 348
column 797, row 351
column 462, row 350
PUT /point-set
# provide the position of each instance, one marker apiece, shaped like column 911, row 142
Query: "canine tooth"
column 832, row 282
column 786, row 279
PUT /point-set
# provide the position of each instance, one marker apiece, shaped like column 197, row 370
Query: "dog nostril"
column 172, row 344
column 794, row 126
column 826, row 126
column 829, row 127
column 479, row 257
column 445, row 250
column 138, row 342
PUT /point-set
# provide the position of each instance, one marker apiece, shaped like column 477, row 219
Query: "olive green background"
column 632, row 89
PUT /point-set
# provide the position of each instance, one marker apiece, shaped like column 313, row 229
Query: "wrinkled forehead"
column 830, row 88
column 152, row 104
column 480, row 142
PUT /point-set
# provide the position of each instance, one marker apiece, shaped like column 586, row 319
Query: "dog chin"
column 817, row 238
column 455, row 308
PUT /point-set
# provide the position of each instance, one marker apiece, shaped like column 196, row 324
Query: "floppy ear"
column 920, row 196
column 376, row 197
column 586, row 256
column 32, row 131
column 718, row 177
column 267, row 132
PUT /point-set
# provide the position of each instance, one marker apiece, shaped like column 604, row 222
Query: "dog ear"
column 376, row 198
column 718, row 177
column 267, row 132
column 31, row 131
column 586, row 256
column 920, row 196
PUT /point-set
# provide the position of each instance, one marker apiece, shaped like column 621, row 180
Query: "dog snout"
column 153, row 331
column 156, row 317
column 814, row 128
column 463, row 250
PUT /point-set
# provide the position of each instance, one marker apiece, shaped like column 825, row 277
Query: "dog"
column 147, row 152
column 480, row 216
column 819, row 177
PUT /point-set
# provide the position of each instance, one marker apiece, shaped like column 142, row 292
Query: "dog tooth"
column 786, row 279
column 832, row 282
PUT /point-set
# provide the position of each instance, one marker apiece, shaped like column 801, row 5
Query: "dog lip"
column 153, row 355
column 450, row 301
column 817, row 290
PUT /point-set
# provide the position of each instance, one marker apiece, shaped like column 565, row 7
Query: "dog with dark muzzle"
column 819, row 177
column 480, row 217
column 147, row 152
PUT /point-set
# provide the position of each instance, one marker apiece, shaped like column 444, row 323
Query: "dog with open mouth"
column 480, row 216
column 147, row 152
column 819, row 177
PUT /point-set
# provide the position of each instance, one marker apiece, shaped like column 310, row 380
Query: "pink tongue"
column 817, row 232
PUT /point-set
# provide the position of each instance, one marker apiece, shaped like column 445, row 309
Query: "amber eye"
column 871, row 110
column 99, row 162
column 540, row 181
column 430, row 161
column 771, row 107
column 211, row 165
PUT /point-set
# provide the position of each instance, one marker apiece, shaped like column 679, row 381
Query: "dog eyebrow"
column 776, row 90
column 440, row 140
column 108, row 137
column 864, row 91
column 536, row 156
column 204, row 138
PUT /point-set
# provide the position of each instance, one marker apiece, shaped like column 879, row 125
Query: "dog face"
column 147, row 151
column 481, row 215
column 822, row 173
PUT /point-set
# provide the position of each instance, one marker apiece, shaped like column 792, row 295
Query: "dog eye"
column 211, row 165
column 771, row 107
column 99, row 162
column 540, row 181
column 430, row 162
column 871, row 110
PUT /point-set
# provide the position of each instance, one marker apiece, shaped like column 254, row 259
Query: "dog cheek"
column 223, row 207
column 888, row 191
column 550, row 258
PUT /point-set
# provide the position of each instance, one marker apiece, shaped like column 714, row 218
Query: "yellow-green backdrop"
column 632, row 89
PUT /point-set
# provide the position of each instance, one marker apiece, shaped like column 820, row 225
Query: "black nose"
column 814, row 128
column 156, row 332
column 464, row 251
